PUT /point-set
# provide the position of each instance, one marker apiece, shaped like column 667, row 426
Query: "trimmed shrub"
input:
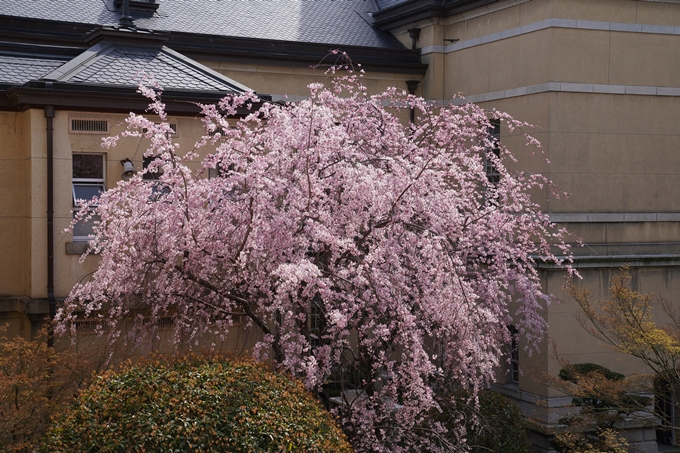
column 572, row 372
column 196, row 405
column 597, row 393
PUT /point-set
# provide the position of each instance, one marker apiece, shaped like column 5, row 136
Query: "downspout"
column 412, row 85
column 49, row 116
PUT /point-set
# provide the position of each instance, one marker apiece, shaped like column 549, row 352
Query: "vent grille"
column 88, row 126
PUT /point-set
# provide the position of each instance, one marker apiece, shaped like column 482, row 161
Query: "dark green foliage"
column 500, row 428
column 196, row 405
column 571, row 372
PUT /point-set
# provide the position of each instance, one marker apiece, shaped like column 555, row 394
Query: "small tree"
column 625, row 323
column 365, row 250
column 602, row 400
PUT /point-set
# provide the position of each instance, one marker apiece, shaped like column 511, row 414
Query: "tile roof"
column 333, row 22
column 385, row 4
column 109, row 64
column 19, row 70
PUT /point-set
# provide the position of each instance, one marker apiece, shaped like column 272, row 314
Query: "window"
column 495, row 136
column 88, row 176
column 87, row 183
column 315, row 317
column 219, row 172
column 513, row 371
column 665, row 406
column 90, row 326
column 162, row 323
column 317, row 322
column 153, row 175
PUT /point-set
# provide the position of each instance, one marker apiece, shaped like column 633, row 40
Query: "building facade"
column 599, row 79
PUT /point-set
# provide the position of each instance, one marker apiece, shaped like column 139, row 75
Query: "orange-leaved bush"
column 192, row 404
column 36, row 383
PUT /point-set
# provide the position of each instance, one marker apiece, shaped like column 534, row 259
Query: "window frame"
column 146, row 175
column 77, row 182
column 494, row 131
column 316, row 322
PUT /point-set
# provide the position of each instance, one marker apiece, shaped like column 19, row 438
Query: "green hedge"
column 196, row 405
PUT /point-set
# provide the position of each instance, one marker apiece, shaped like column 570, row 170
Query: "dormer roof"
column 115, row 64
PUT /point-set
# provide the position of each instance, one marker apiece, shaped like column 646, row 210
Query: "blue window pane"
column 86, row 191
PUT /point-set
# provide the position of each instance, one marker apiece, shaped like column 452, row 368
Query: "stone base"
column 543, row 415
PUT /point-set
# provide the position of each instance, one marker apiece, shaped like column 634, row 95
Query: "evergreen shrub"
column 502, row 427
column 573, row 371
column 500, row 424
column 196, row 405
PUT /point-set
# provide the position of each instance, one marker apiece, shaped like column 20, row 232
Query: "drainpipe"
column 49, row 116
column 412, row 85
column 414, row 34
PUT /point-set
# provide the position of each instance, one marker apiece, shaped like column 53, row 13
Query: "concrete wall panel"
column 645, row 59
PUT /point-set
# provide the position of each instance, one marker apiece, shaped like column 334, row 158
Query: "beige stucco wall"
column 23, row 205
column 14, row 203
column 68, row 269
column 567, row 335
column 23, row 193
column 571, row 339
column 613, row 153
column 559, row 53
column 610, row 152
column 292, row 81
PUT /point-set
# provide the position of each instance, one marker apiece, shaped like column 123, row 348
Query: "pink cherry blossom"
column 392, row 231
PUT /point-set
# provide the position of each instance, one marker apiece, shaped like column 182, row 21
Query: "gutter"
column 106, row 98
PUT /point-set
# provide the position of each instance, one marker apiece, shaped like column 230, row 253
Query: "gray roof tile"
column 19, row 70
column 385, row 4
column 333, row 22
column 109, row 64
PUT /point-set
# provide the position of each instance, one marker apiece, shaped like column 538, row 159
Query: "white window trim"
column 89, row 182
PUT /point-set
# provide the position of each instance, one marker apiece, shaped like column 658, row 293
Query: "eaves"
column 100, row 98
column 290, row 53
column 36, row 31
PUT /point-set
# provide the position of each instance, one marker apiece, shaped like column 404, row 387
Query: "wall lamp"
column 128, row 169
